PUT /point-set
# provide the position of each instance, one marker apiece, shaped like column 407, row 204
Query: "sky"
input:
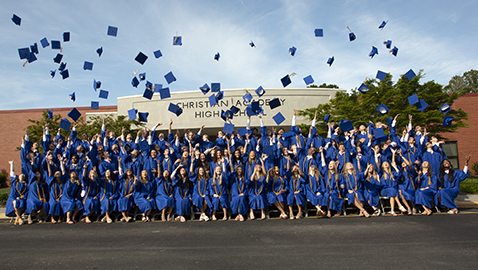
column 438, row 37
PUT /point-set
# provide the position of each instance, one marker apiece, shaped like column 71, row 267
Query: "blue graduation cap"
column 382, row 25
column 247, row 97
column 226, row 114
column 378, row 133
column 99, row 51
column 228, row 128
column 170, row 77
column 413, row 99
column 352, row 36
column 157, row 87
column 96, row 84
column 410, row 74
column 373, row 52
column 382, row 109
column 44, row 42
column 66, row 36
column 112, row 31
column 149, row 85
column 65, row 74
column 177, row 40
column 278, row 118
column 135, row 82
column 215, row 87
column 50, row 114
column 52, row 73
column 388, row 44
column 103, row 94
column 288, row 134
column 389, row 121
column 363, row 88
column 31, row 58
column 143, row 116
column 205, row 88
column 164, row 93
column 144, row 145
column 142, row 76
column 346, row 125
column 16, row 20
column 319, row 32
column 255, row 106
column 234, row 109
column 174, row 108
column 157, row 54
column 421, row 105
column 74, row 114
column 308, row 80
column 34, row 48
column 242, row 131
column 447, row 121
column 381, row 75
column 87, row 66
column 141, row 58
column 132, row 114
column 55, row 45
column 445, row 108
column 220, row 95
column 65, row 124
column 260, row 91
column 286, row 80
column 24, row 53
column 292, row 50
column 62, row 66
column 394, row 51
column 252, row 44
column 212, row 100
column 148, row 94
column 274, row 103
column 330, row 61
column 58, row 58
column 216, row 56
column 326, row 118
column 95, row 105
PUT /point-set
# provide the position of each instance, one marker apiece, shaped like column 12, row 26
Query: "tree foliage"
column 362, row 108
column 91, row 127
column 324, row 85
column 467, row 83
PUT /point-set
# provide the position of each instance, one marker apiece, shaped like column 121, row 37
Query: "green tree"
column 362, row 108
column 91, row 127
column 324, row 85
column 467, row 83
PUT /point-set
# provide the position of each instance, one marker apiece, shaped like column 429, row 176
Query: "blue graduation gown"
column 333, row 193
column 200, row 192
column 108, row 189
column 371, row 189
column 182, row 196
column 141, row 194
column 239, row 203
column 37, row 196
column 390, row 184
column 126, row 188
column 220, row 190
column 257, row 193
column 296, row 185
column 56, row 191
column 275, row 187
column 407, row 184
column 71, row 197
column 19, row 190
column 164, row 190
column 449, row 190
column 354, row 183
column 426, row 196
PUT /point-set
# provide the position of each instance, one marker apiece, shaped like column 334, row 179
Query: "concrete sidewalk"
column 463, row 201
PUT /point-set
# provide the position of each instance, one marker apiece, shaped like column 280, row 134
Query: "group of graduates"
column 245, row 173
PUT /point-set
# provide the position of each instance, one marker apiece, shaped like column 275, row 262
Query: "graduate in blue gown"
column 200, row 196
column 258, row 191
column 37, row 199
column 427, row 187
column 144, row 195
column 164, row 194
column 71, row 199
column 217, row 187
column 449, row 185
column 372, row 185
column 296, row 193
column 17, row 199
column 182, row 192
column 108, row 196
column 407, row 186
column 334, row 189
column 354, row 188
column 314, row 189
column 126, row 199
column 239, row 196
column 389, row 178
column 56, row 182
column 278, row 189
column 90, row 193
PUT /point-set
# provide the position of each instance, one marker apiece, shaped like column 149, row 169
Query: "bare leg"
column 214, row 215
column 224, row 210
column 299, row 214
column 169, row 214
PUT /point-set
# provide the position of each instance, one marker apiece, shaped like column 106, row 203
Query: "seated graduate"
column 71, row 199
column 334, row 186
column 37, row 199
column 427, row 186
column 278, row 188
column 239, row 196
column 182, row 192
column 217, row 185
column 314, row 188
column 56, row 183
column 372, row 185
column 258, row 191
column 449, row 185
column 90, row 193
column 354, row 188
column 126, row 199
column 144, row 195
column 108, row 196
column 17, row 199
column 200, row 197
column 406, row 184
column 164, row 194
column 389, row 179
column 296, row 193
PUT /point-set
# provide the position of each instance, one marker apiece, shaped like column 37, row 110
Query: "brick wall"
column 13, row 125
column 466, row 137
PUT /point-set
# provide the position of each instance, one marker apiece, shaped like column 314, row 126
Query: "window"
column 451, row 151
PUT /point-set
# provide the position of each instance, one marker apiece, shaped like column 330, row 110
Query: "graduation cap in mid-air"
column 308, row 80
column 330, row 61
column 112, row 31
column 373, row 52
column 16, row 20
column 141, row 58
column 170, row 77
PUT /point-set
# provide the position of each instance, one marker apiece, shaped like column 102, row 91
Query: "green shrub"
column 470, row 185
column 3, row 180
column 474, row 167
column 4, row 192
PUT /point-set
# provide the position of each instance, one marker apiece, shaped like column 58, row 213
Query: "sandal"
column 241, row 218
column 182, row 219
column 70, row 222
column 453, row 211
column 376, row 213
column 366, row 214
column 403, row 209
column 393, row 214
